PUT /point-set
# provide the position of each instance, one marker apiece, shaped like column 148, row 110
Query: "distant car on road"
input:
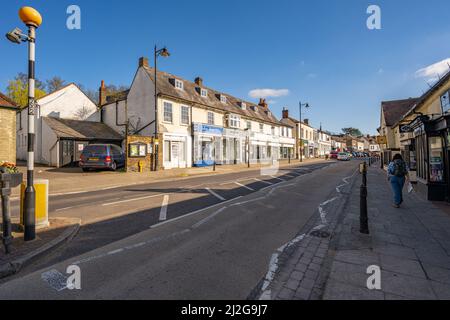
column 102, row 156
column 334, row 154
column 343, row 156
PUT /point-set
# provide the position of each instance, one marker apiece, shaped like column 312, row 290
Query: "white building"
column 324, row 142
column 197, row 125
column 59, row 143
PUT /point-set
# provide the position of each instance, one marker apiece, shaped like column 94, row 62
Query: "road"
column 170, row 249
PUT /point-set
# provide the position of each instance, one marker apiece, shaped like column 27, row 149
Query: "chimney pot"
column 143, row 62
column 102, row 94
column 285, row 113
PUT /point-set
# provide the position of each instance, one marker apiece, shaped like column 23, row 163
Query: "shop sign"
column 207, row 129
column 381, row 140
column 445, row 102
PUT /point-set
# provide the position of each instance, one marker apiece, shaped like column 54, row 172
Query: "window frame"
column 187, row 109
column 208, row 118
column 179, row 82
column 167, row 104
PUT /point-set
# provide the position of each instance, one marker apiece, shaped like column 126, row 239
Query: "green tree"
column 352, row 131
column 17, row 89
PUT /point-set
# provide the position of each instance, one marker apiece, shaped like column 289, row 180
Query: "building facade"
column 197, row 125
column 8, row 110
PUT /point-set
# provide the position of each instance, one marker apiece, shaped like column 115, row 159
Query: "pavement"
column 214, row 241
column 409, row 246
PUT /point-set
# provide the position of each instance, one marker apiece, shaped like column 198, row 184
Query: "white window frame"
column 203, row 93
column 167, row 104
column 212, row 118
column 234, row 121
column 249, row 125
column 188, row 115
column 243, row 106
column 261, row 127
column 223, row 98
column 179, row 84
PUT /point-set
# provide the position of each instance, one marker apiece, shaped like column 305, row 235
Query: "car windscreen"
column 94, row 150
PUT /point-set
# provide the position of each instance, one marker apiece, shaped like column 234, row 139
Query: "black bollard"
column 363, row 217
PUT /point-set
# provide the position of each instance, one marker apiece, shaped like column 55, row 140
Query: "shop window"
column 421, row 157
column 166, row 151
column 436, row 160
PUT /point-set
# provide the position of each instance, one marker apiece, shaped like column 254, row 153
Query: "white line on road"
column 193, row 212
column 215, row 194
column 198, row 224
column 66, row 208
column 263, row 181
column 244, row 186
column 277, row 178
column 163, row 212
column 133, row 199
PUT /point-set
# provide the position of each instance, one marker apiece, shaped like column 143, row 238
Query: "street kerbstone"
column 314, row 267
column 297, row 275
column 311, row 274
column 307, row 283
column 301, row 267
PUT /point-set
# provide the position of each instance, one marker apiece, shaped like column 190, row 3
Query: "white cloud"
column 266, row 93
column 434, row 70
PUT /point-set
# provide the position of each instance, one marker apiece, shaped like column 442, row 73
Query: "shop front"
column 233, row 148
column 287, row 146
column 431, row 156
column 207, row 144
column 263, row 148
column 176, row 150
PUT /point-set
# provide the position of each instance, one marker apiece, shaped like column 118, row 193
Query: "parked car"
column 334, row 154
column 343, row 156
column 102, row 156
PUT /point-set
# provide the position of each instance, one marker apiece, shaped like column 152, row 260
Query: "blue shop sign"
column 207, row 129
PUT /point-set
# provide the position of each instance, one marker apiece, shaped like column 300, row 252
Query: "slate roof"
column 395, row 110
column 293, row 122
column 7, row 102
column 77, row 129
column 191, row 92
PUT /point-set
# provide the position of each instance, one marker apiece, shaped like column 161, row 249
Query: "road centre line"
column 215, row 194
column 163, row 212
column 193, row 212
column 133, row 199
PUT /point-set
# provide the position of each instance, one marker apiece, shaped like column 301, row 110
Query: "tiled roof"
column 191, row 92
column 6, row 102
column 394, row 110
column 65, row 128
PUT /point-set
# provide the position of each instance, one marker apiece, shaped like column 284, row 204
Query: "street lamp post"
column 300, row 105
column 32, row 19
column 247, row 140
column 163, row 53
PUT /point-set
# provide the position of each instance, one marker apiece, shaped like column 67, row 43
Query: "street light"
column 300, row 105
column 32, row 19
column 247, row 140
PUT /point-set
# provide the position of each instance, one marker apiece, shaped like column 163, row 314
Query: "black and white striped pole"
column 32, row 20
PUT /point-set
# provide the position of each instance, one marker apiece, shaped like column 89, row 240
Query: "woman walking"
column 397, row 172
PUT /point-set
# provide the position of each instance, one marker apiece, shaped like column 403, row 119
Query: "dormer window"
column 179, row 84
column 254, row 108
column 203, row 92
column 223, row 98
column 243, row 106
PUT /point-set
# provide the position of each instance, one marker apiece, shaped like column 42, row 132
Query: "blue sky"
column 319, row 52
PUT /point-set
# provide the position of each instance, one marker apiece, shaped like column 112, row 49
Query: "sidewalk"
column 68, row 180
column 411, row 245
column 22, row 253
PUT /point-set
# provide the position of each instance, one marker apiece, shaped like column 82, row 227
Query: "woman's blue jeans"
column 397, row 184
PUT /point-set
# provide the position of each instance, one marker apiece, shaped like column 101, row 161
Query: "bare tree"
column 55, row 83
column 82, row 113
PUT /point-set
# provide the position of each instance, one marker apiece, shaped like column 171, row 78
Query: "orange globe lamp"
column 30, row 16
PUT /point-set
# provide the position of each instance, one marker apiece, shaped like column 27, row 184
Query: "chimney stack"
column 102, row 94
column 199, row 81
column 262, row 103
column 143, row 62
column 306, row 121
column 285, row 113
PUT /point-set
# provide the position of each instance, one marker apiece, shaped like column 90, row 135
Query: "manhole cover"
column 320, row 234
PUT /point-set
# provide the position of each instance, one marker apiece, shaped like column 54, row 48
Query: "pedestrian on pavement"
column 397, row 173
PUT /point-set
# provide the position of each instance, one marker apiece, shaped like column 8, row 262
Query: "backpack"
column 400, row 168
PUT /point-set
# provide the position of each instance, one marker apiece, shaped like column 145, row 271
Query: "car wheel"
column 114, row 166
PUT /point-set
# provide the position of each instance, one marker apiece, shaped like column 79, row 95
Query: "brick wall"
column 133, row 162
column 8, row 135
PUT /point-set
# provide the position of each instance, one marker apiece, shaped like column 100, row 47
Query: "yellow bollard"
column 141, row 166
column 41, row 203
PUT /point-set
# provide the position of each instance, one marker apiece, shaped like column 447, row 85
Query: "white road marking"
column 277, row 178
column 163, row 212
column 215, row 194
column 263, row 181
column 192, row 213
column 198, row 224
column 66, row 208
column 112, row 187
column 244, row 186
column 133, row 199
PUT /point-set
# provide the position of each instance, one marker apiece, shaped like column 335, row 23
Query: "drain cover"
column 320, row 234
